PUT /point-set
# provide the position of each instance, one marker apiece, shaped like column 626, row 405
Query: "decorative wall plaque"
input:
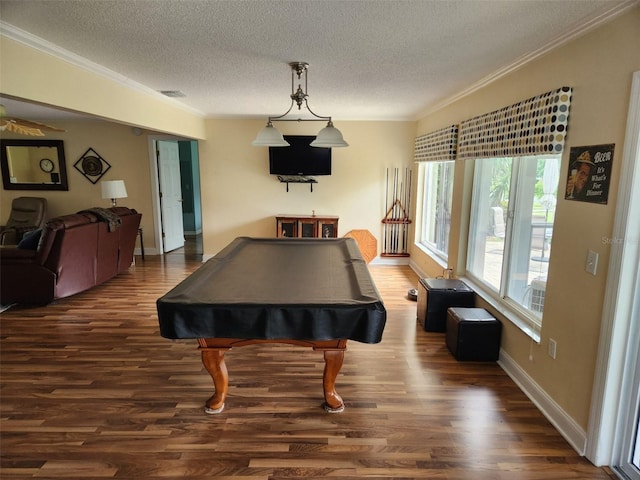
column 92, row 165
column 589, row 173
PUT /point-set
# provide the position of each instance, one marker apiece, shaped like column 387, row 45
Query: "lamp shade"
column 113, row 189
column 329, row 137
column 270, row 136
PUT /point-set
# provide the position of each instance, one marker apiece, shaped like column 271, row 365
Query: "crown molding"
column 13, row 33
column 577, row 31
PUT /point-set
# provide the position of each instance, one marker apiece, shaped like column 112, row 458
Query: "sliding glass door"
column 626, row 454
column 629, row 458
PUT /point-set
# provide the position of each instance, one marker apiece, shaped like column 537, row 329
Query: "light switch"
column 592, row 262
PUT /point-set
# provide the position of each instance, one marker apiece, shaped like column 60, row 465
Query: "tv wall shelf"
column 297, row 179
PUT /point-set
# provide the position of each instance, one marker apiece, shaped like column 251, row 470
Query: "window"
column 511, row 228
column 436, row 210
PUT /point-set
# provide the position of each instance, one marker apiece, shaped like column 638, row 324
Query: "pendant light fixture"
column 270, row 136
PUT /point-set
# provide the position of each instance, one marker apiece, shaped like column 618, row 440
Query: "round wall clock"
column 46, row 165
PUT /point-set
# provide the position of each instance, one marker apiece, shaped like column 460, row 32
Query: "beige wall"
column 29, row 73
column 599, row 67
column 239, row 197
column 128, row 156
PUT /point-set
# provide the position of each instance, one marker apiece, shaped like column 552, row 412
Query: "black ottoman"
column 473, row 334
column 435, row 295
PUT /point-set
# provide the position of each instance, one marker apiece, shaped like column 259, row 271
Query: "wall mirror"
column 33, row 165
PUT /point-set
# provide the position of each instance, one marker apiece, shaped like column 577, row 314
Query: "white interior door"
column 170, row 195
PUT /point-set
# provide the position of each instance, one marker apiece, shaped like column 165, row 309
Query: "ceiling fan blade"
column 26, row 127
column 30, row 124
column 9, row 126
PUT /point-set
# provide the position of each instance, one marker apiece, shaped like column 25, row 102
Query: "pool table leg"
column 213, row 360
column 332, row 364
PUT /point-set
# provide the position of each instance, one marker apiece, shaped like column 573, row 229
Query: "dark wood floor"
column 90, row 390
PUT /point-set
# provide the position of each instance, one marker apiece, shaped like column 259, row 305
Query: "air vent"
column 538, row 288
column 172, row 93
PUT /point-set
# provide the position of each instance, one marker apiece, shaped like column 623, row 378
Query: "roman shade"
column 437, row 146
column 531, row 127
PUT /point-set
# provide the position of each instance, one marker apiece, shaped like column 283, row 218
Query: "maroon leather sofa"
column 75, row 252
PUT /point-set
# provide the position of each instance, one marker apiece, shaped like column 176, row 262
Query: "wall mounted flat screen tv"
column 299, row 158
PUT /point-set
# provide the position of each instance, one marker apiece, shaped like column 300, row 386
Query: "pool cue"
column 386, row 206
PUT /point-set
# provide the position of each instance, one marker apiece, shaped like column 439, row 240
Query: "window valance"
column 437, row 146
column 531, row 127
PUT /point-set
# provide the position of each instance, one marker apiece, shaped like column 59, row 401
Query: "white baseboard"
column 568, row 428
column 390, row 261
column 414, row 266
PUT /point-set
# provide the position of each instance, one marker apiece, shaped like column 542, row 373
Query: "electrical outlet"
column 592, row 262
column 553, row 347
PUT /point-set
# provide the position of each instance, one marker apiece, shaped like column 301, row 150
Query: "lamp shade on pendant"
column 329, row 137
column 113, row 189
column 270, row 136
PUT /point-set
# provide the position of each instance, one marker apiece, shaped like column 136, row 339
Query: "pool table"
column 309, row 292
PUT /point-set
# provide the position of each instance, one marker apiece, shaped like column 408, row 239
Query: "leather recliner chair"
column 27, row 214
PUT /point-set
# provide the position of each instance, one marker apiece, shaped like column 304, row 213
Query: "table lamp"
column 113, row 189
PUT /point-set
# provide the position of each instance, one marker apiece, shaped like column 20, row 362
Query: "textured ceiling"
column 369, row 60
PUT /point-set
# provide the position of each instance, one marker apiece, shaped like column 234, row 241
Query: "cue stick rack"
column 395, row 224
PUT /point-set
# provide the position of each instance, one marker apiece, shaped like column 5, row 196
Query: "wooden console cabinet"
column 314, row 226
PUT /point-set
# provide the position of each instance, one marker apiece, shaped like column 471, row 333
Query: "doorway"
column 175, row 185
column 168, row 159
